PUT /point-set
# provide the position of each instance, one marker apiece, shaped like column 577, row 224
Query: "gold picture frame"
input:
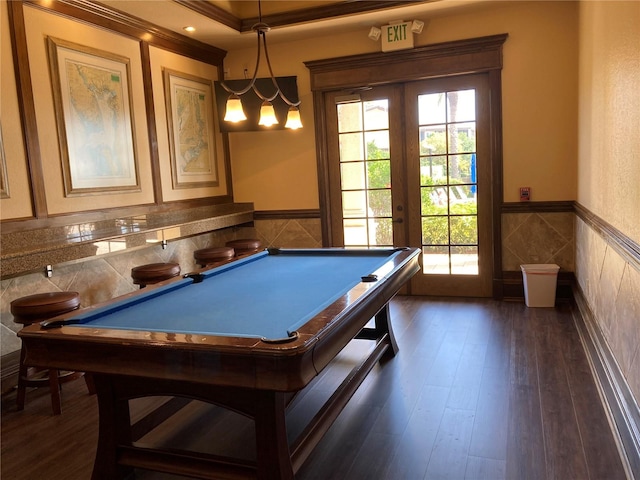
column 94, row 114
column 190, row 124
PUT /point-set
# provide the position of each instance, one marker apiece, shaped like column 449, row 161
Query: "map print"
column 192, row 132
column 98, row 128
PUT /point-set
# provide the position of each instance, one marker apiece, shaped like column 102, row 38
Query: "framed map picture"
column 91, row 91
column 189, row 102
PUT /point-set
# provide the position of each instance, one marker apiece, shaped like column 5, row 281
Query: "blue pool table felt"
column 264, row 296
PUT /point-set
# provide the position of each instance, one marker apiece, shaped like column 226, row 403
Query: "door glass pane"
column 462, row 137
column 382, row 236
column 435, row 260
column 377, row 144
column 376, row 115
column 433, row 201
column 355, row 232
column 352, row 175
column 380, row 202
column 461, row 105
column 464, row 260
column 435, row 230
column 363, row 131
column 433, row 170
column 351, row 147
column 431, row 109
column 464, row 164
column 433, row 140
column 379, row 174
column 464, row 230
column 349, row 117
column 354, row 204
column 447, row 139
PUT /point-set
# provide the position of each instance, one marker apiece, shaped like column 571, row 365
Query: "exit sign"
column 396, row 36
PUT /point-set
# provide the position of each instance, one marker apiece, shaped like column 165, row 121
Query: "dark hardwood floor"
column 479, row 390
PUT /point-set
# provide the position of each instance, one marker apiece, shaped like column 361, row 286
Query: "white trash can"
column 540, row 282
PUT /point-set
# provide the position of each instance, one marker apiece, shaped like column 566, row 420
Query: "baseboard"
column 9, row 366
column 619, row 402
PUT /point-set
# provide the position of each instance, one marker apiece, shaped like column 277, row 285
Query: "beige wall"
column 609, row 174
column 277, row 170
column 18, row 202
column 609, row 121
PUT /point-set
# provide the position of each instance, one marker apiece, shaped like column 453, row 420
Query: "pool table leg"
column 383, row 325
column 272, row 448
column 113, row 430
column 381, row 332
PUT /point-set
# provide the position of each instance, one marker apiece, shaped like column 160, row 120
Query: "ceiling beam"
column 213, row 12
column 338, row 9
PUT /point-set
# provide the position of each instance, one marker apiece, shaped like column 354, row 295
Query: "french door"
column 409, row 165
column 364, row 147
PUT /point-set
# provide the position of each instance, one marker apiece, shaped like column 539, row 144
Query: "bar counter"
column 32, row 250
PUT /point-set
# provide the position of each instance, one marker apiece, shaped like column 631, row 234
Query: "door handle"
column 398, row 220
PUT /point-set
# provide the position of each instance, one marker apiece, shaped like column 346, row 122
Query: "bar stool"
column 151, row 273
column 36, row 308
column 208, row 256
column 244, row 246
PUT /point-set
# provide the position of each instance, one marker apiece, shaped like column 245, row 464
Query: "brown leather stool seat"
column 36, row 308
column 207, row 256
column 243, row 246
column 151, row 273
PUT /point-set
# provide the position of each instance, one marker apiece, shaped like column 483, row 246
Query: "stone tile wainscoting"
column 545, row 237
column 290, row 233
column 607, row 295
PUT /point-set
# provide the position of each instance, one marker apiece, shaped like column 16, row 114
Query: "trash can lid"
column 540, row 268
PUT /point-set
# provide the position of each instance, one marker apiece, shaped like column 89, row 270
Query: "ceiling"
column 226, row 24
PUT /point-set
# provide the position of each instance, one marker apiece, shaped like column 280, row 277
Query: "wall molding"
column 625, row 246
column 285, row 214
column 537, row 207
column 618, row 400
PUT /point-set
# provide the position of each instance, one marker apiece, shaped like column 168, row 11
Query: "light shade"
column 267, row 115
column 293, row 119
column 234, row 111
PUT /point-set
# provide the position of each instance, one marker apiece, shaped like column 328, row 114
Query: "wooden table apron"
column 245, row 375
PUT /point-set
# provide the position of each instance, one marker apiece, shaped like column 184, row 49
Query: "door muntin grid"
column 448, row 182
column 365, row 173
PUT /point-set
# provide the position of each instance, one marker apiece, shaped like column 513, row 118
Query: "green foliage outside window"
column 435, row 227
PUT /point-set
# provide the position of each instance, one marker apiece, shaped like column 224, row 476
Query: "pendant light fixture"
column 234, row 110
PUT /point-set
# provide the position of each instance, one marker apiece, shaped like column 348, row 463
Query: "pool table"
column 246, row 335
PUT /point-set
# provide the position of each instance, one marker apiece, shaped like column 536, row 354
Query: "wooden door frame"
column 475, row 55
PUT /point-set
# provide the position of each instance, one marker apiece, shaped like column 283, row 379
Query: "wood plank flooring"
column 479, row 390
